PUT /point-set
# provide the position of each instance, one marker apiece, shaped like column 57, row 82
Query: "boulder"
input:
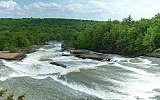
column 58, row 64
column 93, row 56
column 135, row 60
column 123, row 60
column 86, row 54
column 79, row 51
column 12, row 56
column 66, row 55
column 155, row 53
column 89, row 68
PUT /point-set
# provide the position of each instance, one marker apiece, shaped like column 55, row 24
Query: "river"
column 83, row 79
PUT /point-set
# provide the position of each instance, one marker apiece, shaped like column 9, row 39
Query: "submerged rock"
column 66, row 55
column 135, row 60
column 1, row 62
column 74, row 71
column 58, row 64
column 123, row 60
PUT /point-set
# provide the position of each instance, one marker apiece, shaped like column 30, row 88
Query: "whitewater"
column 84, row 79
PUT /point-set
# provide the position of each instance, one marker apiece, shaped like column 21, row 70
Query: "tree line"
column 127, row 37
column 22, row 33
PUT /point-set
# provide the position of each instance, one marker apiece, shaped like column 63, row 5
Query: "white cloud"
column 42, row 5
column 91, row 6
column 137, row 8
column 75, row 7
column 9, row 5
column 98, row 4
column 82, row 9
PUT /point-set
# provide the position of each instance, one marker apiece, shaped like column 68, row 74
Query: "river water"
column 83, row 79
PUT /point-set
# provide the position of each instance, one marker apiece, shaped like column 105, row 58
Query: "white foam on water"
column 119, row 58
column 143, row 87
column 133, row 94
column 138, row 71
column 145, row 61
column 32, row 66
column 95, row 92
column 142, row 61
column 144, row 83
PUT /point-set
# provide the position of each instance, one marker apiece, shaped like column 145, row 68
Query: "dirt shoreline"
column 20, row 55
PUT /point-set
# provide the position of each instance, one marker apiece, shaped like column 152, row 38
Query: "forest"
column 127, row 37
column 22, row 33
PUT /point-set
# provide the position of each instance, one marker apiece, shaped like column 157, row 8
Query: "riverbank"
column 12, row 56
column 21, row 54
column 83, row 53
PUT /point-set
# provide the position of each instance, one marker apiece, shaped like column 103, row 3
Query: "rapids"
column 83, row 79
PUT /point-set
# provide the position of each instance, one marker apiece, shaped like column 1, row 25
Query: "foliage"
column 126, row 37
column 21, row 97
column 10, row 96
column 19, row 33
column 2, row 92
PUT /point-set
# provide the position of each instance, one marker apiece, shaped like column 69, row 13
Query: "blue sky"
column 79, row 9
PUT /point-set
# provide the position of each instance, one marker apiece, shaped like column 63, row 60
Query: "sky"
column 79, row 9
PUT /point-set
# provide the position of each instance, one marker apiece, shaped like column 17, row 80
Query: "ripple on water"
column 123, row 79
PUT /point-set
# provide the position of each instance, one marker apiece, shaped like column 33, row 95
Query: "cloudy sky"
column 79, row 9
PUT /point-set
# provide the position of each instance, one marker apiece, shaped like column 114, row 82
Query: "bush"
column 13, row 49
column 10, row 96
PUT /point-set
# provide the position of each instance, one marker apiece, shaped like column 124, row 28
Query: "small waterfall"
column 123, row 79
